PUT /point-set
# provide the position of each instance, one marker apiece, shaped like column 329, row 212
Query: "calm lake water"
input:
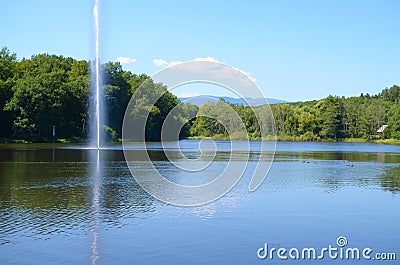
column 55, row 209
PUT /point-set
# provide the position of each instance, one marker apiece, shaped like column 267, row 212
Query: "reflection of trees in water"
column 41, row 198
column 390, row 180
column 345, row 156
column 335, row 170
column 121, row 195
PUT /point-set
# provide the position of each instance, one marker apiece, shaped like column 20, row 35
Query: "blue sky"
column 295, row 50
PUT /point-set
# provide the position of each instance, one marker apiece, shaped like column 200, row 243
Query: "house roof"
column 382, row 129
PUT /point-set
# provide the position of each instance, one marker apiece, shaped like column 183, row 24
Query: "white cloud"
column 248, row 74
column 160, row 62
column 125, row 60
column 163, row 63
column 174, row 63
column 212, row 59
column 207, row 59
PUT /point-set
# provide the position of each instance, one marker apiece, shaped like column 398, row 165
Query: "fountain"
column 97, row 105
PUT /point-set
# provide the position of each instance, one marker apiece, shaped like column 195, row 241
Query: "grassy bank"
column 388, row 141
column 300, row 139
column 59, row 140
column 216, row 137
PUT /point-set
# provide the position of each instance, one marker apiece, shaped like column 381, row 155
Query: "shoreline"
column 4, row 141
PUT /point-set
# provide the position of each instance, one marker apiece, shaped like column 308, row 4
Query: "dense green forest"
column 48, row 90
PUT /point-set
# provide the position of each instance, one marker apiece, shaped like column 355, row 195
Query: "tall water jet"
column 97, row 102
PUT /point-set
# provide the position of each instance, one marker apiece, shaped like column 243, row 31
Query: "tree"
column 394, row 121
column 75, row 102
column 7, row 71
column 331, row 114
column 282, row 112
column 150, row 105
column 307, row 124
column 117, row 93
column 391, row 94
column 39, row 96
column 355, row 122
column 376, row 112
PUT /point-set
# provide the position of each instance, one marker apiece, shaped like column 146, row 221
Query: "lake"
column 55, row 209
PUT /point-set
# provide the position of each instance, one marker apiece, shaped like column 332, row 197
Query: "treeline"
column 339, row 118
column 331, row 118
column 48, row 90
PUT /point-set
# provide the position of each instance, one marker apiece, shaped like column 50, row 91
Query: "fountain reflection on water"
column 96, row 180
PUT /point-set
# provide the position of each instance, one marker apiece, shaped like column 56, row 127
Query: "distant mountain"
column 200, row 100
